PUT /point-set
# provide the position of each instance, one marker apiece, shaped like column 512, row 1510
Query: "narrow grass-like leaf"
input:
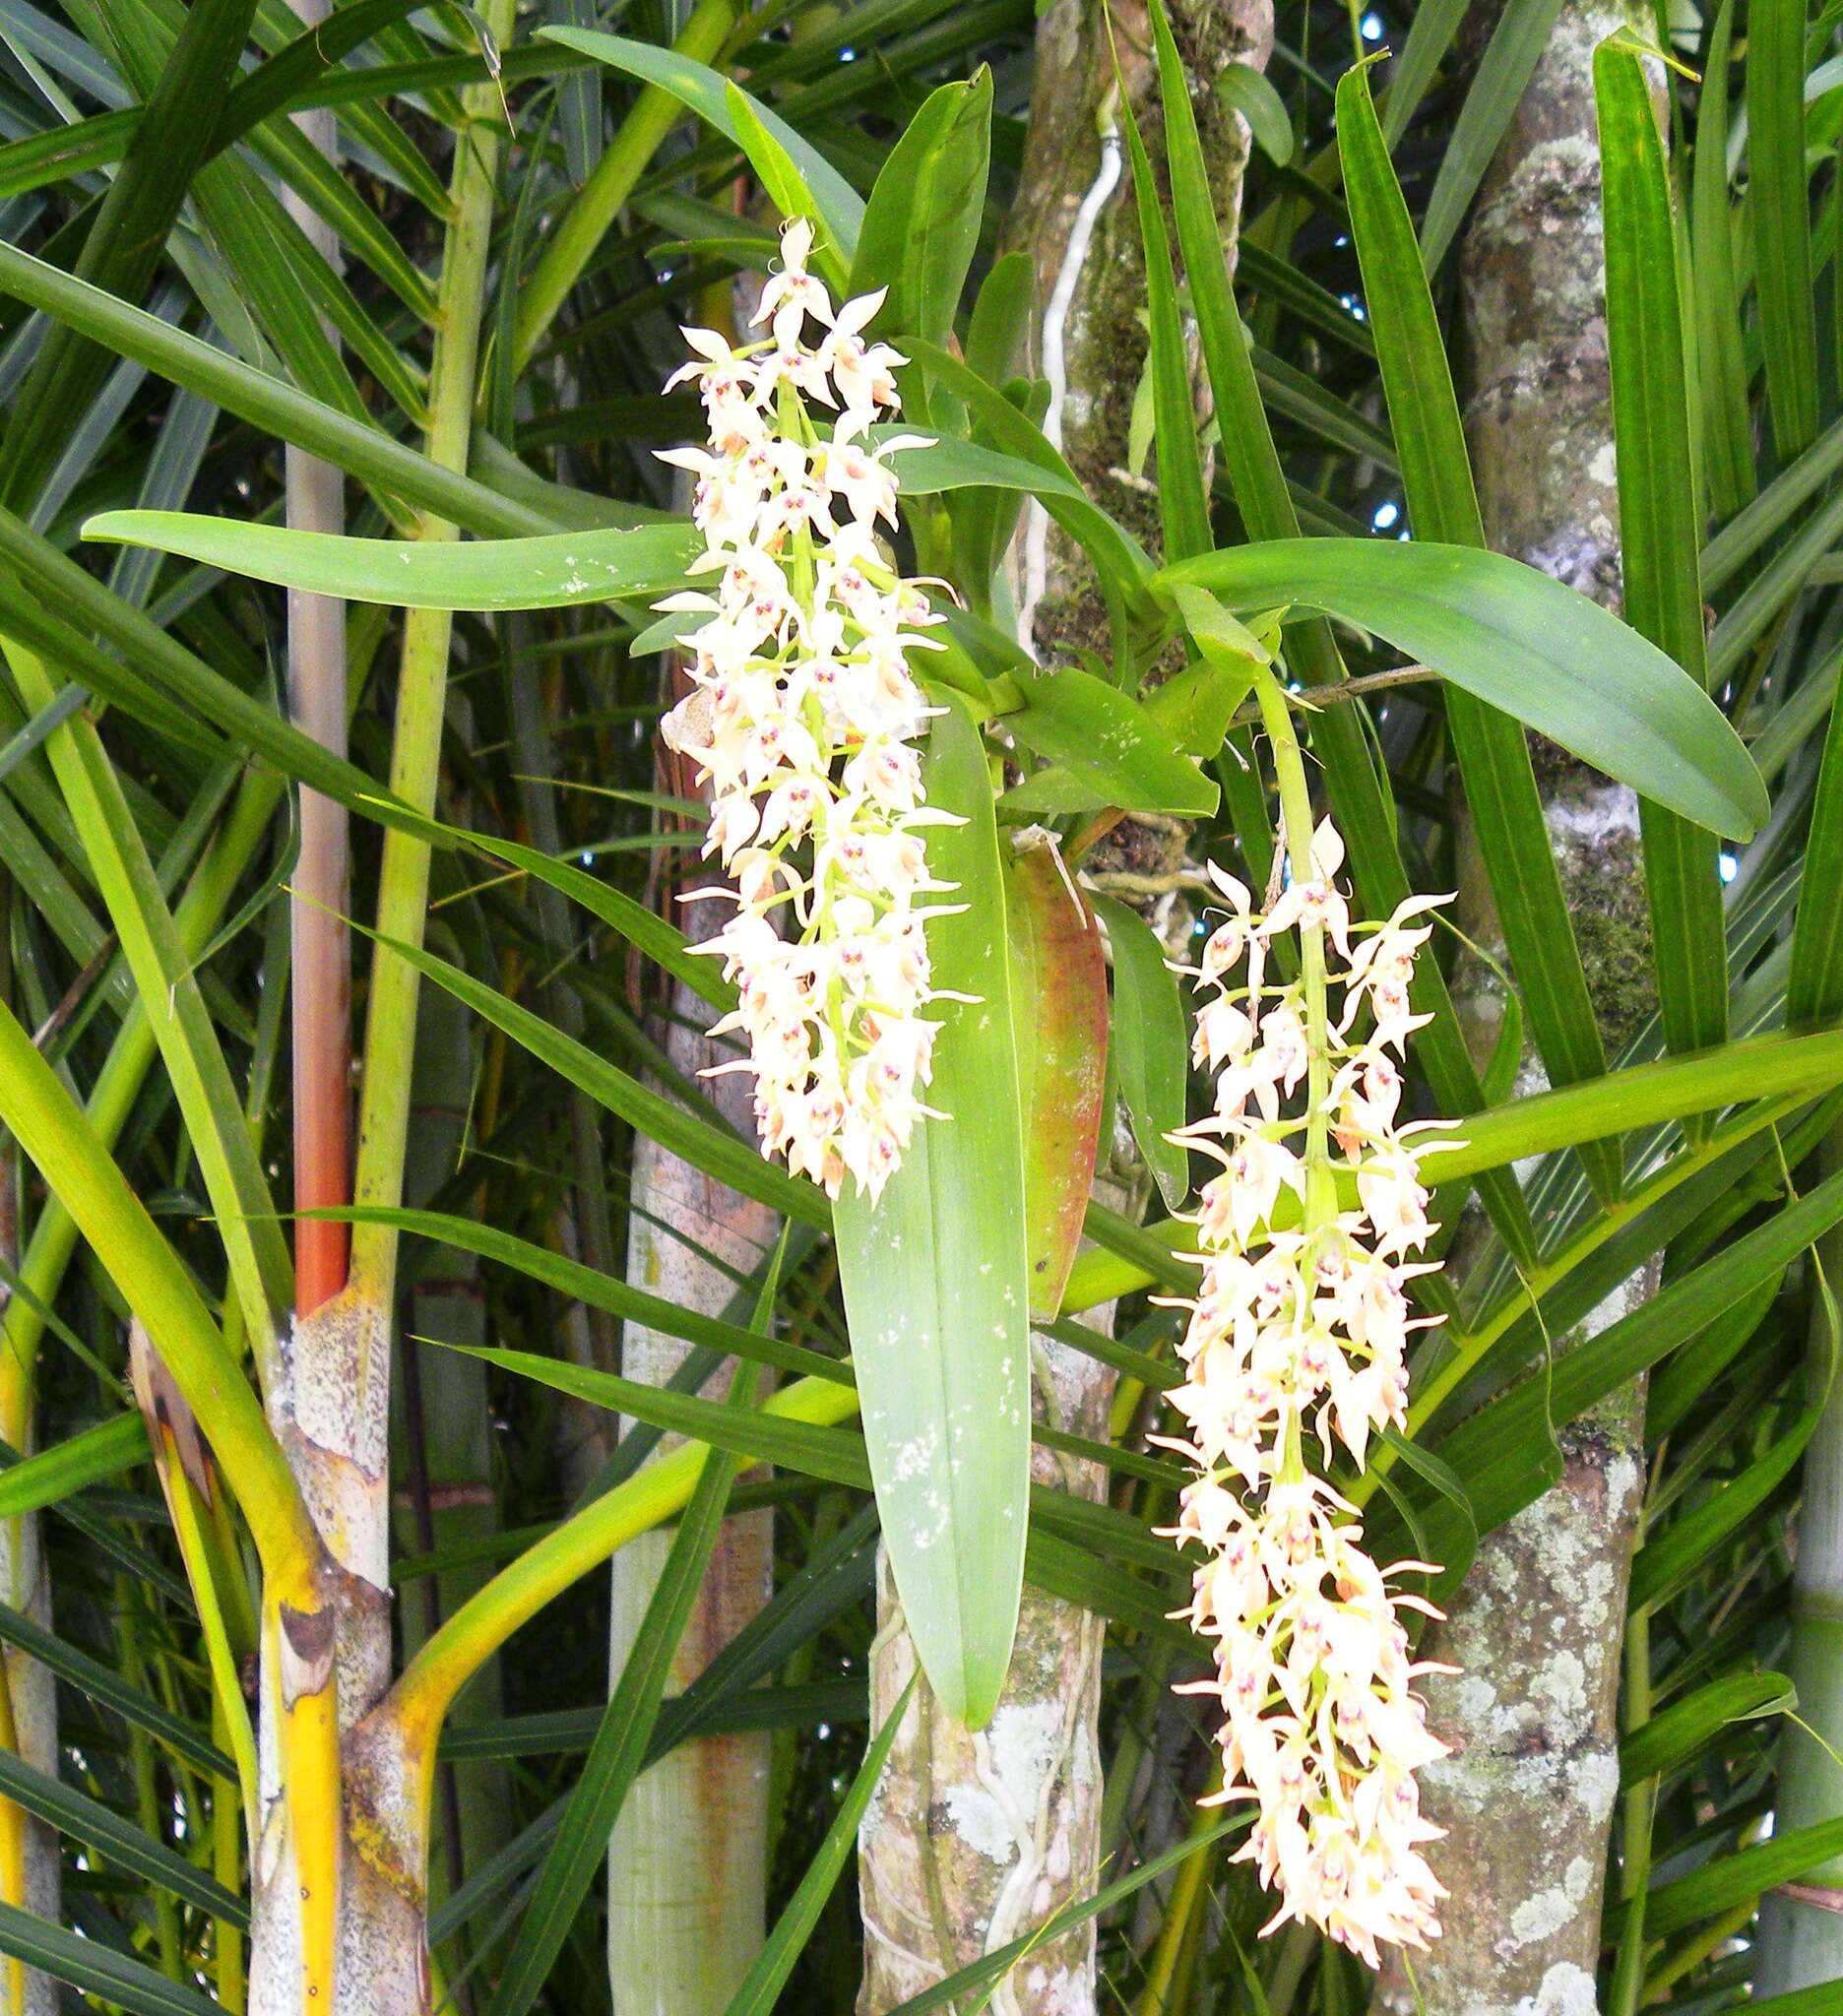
column 1721, row 357
column 1442, row 505
column 214, row 1114
column 262, row 400
column 87, row 1963
column 1778, row 215
column 1814, row 985
column 81, row 1818
column 759, row 1991
column 122, row 247
column 1684, row 1730
column 103, row 1684
column 1488, row 1448
column 1265, row 502
column 577, row 1282
column 1639, row 1096
column 1184, row 508
column 699, row 1141
column 761, row 1435
column 936, row 1283
column 67, row 1467
column 992, row 1968
column 1660, row 521
column 1510, row 57
column 1727, row 1880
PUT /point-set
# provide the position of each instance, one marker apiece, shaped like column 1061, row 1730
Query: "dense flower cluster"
column 802, row 722
column 1299, row 1329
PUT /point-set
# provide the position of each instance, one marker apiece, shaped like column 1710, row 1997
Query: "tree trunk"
column 974, row 1839
column 1801, row 1933
column 1528, row 1795
column 687, row 1859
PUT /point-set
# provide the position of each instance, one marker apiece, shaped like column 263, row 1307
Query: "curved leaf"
column 936, row 1282
column 1540, row 650
column 554, row 571
column 835, row 204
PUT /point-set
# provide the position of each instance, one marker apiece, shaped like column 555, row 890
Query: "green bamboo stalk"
column 441, row 1439
column 1800, row 1936
column 598, row 203
column 416, row 751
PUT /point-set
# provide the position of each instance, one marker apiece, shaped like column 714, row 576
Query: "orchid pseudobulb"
column 801, row 720
column 1297, row 1332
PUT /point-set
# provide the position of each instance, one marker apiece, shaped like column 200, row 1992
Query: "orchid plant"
column 802, row 723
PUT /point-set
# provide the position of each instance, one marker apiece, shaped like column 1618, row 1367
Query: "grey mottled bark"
column 1528, row 1795
column 974, row 1839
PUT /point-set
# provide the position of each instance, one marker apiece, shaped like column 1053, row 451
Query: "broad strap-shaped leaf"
column 1106, row 748
column 1059, row 1007
column 1529, row 645
column 921, row 225
column 937, row 1280
column 554, row 571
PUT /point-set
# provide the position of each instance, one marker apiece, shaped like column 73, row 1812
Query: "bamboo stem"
column 586, row 222
column 416, row 751
column 320, row 964
column 1802, row 1942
